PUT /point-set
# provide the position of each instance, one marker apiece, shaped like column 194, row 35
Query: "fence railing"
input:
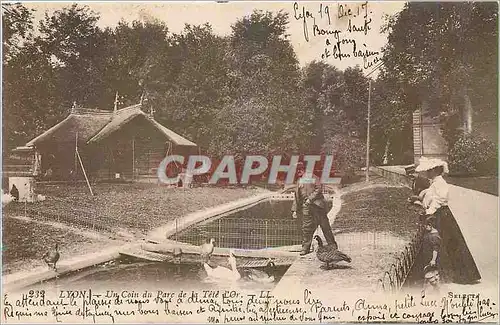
column 397, row 273
column 75, row 219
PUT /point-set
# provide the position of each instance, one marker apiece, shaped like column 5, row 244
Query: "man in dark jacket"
column 311, row 207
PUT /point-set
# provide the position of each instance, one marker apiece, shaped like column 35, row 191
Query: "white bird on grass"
column 6, row 199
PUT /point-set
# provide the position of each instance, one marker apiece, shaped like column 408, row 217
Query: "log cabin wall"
column 428, row 140
column 134, row 151
column 60, row 158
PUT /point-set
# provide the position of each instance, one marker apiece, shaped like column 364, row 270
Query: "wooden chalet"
column 125, row 144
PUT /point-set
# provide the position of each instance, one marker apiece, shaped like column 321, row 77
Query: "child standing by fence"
column 431, row 247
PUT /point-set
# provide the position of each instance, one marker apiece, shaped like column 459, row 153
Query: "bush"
column 349, row 153
column 473, row 154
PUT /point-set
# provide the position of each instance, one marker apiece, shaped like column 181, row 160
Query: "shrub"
column 349, row 153
column 473, row 154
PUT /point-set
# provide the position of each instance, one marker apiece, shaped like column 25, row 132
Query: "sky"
column 330, row 18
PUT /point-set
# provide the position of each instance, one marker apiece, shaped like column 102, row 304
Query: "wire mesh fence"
column 397, row 272
column 81, row 220
column 245, row 233
column 381, row 241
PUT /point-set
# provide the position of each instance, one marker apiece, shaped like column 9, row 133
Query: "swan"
column 224, row 273
column 265, row 276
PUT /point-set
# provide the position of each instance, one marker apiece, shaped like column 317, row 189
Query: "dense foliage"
column 445, row 53
column 246, row 93
column 472, row 154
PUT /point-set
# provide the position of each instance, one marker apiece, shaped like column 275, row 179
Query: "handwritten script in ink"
column 342, row 28
column 231, row 306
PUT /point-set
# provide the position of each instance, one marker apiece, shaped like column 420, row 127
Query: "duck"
column 177, row 252
column 330, row 253
column 261, row 276
column 207, row 249
column 51, row 257
column 14, row 192
column 224, row 273
column 177, row 255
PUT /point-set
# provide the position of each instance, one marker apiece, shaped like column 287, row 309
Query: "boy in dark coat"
column 311, row 207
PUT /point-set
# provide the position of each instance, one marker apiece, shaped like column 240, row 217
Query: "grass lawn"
column 374, row 225
column 378, row 210
column 24, row 243
column 136, row 208
column 486, row 184
column 133, row 209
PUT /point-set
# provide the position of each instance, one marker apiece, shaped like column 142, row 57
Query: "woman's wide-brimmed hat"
column 430, row 163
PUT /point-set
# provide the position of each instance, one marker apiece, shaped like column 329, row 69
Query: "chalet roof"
column 85, row 122
column 93, row 126
column 126, row 115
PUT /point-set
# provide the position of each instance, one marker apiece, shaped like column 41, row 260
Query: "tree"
column 30, row 101
column 198, row 85
column 27, row 78
column 335, row 112
column 72, row 42
column 323, row 111
column 17, row 28
column 443, row 53
column 355, row 99
column 265, row 72
column 391, row 123
column 134, row 61
column 262, row 56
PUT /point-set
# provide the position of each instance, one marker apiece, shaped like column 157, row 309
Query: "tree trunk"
column 386, row 153
column 467, row 112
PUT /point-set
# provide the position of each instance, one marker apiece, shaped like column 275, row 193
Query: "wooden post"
column 76, row 158
column 133, row 158
column 367, row 172
column 115, row 108
column 219, row 234
column 84, row 173
column 266, row 236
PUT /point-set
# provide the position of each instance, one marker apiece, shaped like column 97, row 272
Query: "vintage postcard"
column 249, row 162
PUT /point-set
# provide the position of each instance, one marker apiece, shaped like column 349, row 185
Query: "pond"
column 121, row 274
column 264, row 225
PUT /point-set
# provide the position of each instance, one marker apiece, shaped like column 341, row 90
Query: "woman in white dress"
column 456, row 260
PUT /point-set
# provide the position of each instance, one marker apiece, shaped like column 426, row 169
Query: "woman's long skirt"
column 457, row 262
